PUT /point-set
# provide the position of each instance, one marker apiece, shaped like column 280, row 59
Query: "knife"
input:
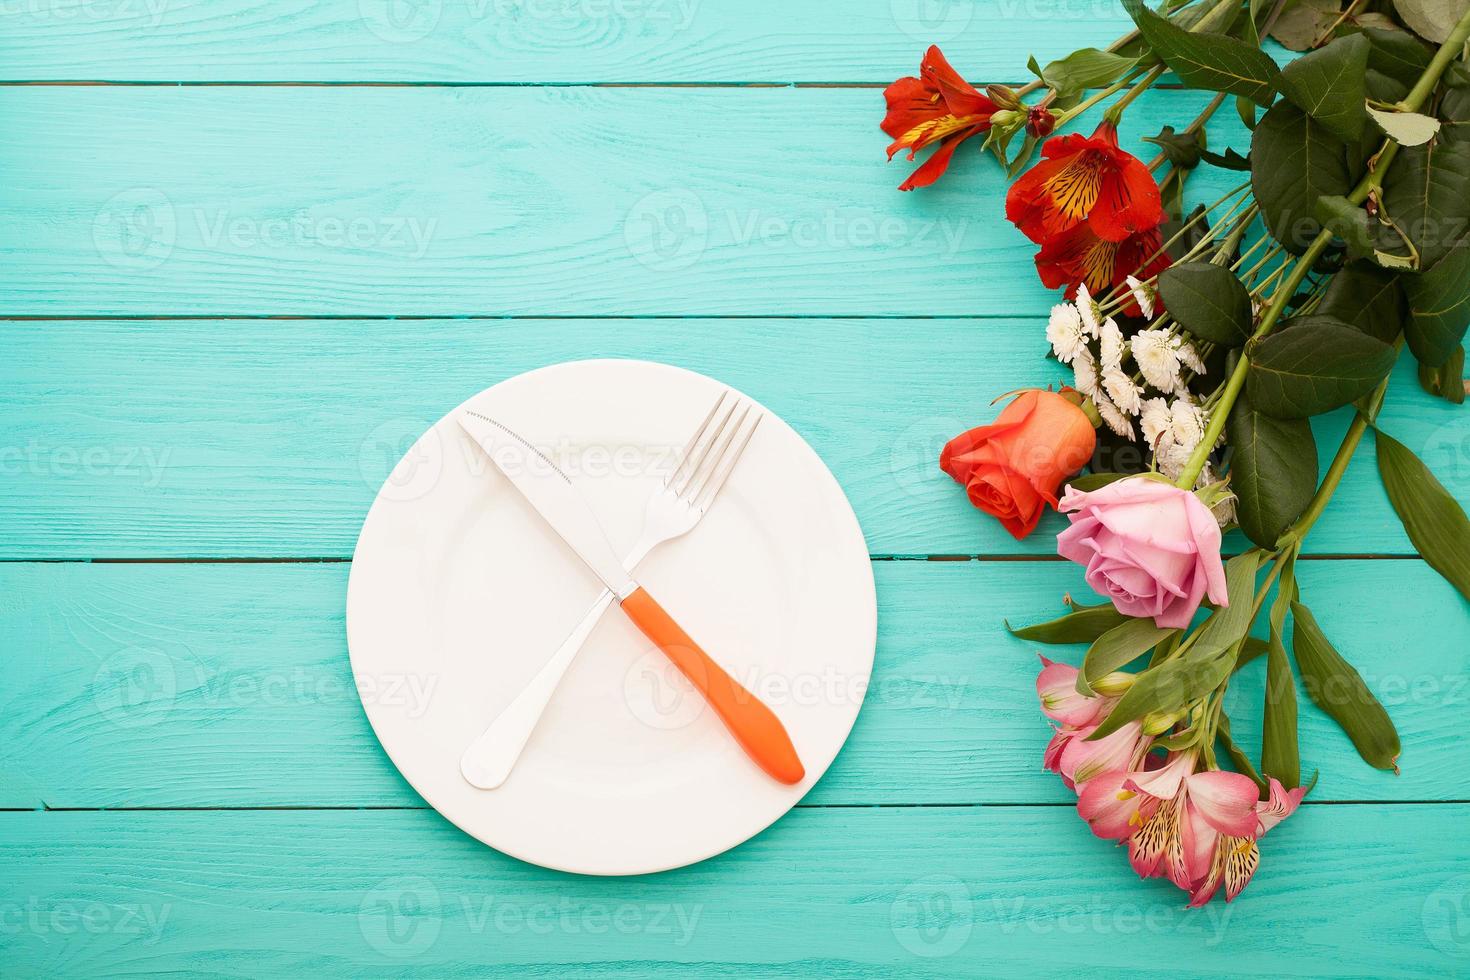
column 754, row 726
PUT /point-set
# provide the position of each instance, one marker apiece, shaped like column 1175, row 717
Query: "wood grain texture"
column 504, row 201
column 229, row 685
column 944, row 892
column 270, row 439
column 539, row 41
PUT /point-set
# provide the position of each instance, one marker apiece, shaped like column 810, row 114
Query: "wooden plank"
column 503, row 201
column 270, row 439
column 518, row 41
column 182, row 685
column 943, row 892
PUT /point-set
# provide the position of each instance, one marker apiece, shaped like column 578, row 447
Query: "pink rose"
column 1151, row 547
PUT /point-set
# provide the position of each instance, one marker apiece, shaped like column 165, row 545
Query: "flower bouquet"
column 1202, row 342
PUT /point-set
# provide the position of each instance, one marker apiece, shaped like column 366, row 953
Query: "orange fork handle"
column 755, row 726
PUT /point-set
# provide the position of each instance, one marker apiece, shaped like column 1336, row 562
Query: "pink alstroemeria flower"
column 1056, row 686
column 1197, row 828
column 1069, row 754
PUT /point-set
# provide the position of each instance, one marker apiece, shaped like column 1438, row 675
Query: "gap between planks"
column 418, row 83
column 347, row 560
column 1002, row 805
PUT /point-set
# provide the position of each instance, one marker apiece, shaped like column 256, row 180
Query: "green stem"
column 1065, row 117
column 1370, row 183
column 1115, row 111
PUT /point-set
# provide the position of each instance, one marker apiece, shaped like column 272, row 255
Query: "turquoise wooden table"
column 252, row 249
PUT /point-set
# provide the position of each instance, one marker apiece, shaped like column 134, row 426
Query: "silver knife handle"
column 490, row 758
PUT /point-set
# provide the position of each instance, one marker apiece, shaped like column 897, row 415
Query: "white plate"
column 459, row 593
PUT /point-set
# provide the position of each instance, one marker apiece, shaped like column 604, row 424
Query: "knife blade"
column 551, row 493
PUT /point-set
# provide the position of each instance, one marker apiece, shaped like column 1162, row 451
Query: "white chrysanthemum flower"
column 1156, row 352
column 1122, row 389
column 1142, row 295
column 1154, row 420
column 1087, row 306
column 1112, row 343
column 1064, row 330
column 1186, row 423
column 1114, row 417
column 1170, row 458
column 1084, row 367
column 1191, row 359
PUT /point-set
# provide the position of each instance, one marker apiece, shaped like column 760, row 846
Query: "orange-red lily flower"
column 1079, row 256
column 937, row 107
column 1085, row 180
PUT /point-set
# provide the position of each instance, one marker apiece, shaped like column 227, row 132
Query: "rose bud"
column 1040, row 122
column 1013, row 467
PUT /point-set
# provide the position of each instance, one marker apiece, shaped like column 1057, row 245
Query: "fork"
column 673, row 510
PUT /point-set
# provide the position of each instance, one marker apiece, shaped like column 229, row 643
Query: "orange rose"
column 1013, row 467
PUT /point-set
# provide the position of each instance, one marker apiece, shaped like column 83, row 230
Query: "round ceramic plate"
column 459, row 593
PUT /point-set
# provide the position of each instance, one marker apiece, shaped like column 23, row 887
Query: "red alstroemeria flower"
column 1078, row 256
column 937, row 107
column 1085, row 180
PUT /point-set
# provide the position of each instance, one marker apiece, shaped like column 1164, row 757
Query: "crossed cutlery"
column 673, row 510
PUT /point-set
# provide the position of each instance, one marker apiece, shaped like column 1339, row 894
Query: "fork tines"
column 713, row 450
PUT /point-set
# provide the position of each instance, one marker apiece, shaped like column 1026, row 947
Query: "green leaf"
column 1239, row 759
column 1431, row 19
column 1229, row 160
column 1439, row 306
column 1083, row 625
column 1273, row 470
column 1397, row 54
column 1427, row 195
column 1294, row 161
column 1228, row 624
column 1454, row 107
column 1313, row 365
column 1434, row 521
column 1085, row 69
column 1208, row 301
column 1093, row 481
column 1337, row 689
column 1117, row 648
column 1368, row 297
column 1208, row 61
column 1406, row 128
column 1252, row 648
column 1328, row 84
column 1302, row 22
column 1347, row 221
column 1446, row 381
column 1167, row 687
column 1280, row 755
column 1183, row 150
